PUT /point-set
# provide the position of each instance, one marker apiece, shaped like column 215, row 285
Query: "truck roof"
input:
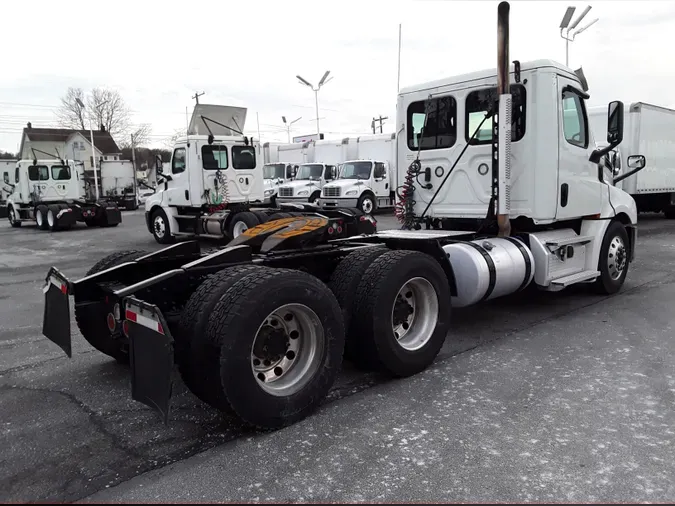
column 488, row 73
column 45, row 161
column 634, row 107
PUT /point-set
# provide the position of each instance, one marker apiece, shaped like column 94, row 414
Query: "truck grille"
column 331, row 192
column 285, row 192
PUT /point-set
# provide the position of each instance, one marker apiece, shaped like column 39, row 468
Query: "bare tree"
column 109, row 110
column 70, row 114
column 104, row 107
column 141, row 136
column 171, row 140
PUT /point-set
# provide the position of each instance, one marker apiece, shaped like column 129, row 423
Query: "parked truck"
column 52, row 194
column 275, row 171
column 6, row 169
column 214, row 188
column 259, row 327
column 324, row 157
column 367, row 182
column 117, row 183
column 650, row 130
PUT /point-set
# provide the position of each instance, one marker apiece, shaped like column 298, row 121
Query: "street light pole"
column 565, row 26
column 289, row 125
column 316, row 96
column 93, row 152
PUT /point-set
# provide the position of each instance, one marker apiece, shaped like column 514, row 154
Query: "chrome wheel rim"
column 50, row 218
column 239, row 228
column 415, row 314
column 12, row 218
column 159, row 226
column 367, row 206
column 617, row 258
column 288, row 349
column 39, row 218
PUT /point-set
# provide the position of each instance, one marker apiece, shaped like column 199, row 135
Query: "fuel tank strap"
column 491, row 269
column 526, row 257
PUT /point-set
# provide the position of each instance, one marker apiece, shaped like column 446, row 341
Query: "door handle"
column 246, row 180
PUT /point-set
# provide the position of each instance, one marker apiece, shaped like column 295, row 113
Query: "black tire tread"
column 198, row 360
column 603, row 284
column 344, row 282
column 102, row 342
column 366, row 354
column 229, row 308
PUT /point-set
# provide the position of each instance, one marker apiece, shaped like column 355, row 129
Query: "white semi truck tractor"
column 500, row 188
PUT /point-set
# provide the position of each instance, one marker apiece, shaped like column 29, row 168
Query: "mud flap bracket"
column 151, row 353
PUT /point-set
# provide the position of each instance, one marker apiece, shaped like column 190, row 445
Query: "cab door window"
column 574, row 119
column 379, row 171
column 38, row 173
column 330, row 172
column 178, row 161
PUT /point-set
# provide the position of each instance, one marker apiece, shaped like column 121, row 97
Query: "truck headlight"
column 268, row 193
column 352, row 192
column 302, row 193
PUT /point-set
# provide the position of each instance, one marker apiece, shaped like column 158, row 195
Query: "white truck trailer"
column 52, row 194
column 264, row 335
column 649, row 130
column 324, row 157
column 117, row 183
column 367, row 182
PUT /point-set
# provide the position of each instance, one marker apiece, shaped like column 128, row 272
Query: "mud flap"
column 151, row 356
column 56, row 318
column 4, row 212
column 113, row 215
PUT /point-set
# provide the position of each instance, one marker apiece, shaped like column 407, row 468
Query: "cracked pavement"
column 535, row 397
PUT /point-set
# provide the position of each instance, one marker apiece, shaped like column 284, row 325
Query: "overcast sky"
column 157, row 54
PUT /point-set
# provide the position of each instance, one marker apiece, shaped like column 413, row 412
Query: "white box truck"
column 649, row 131
column 324, row 158
column 276, row 170
column 367, row 182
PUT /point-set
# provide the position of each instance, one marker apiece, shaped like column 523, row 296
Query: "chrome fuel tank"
column 488, row 268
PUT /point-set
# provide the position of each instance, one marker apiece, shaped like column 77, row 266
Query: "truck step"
column 576, row 278
column 190, row 234
column 567, row 241
column 185, row 216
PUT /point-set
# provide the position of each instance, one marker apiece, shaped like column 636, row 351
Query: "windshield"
column 310, row 171
column 356, row 170
column 273, row 170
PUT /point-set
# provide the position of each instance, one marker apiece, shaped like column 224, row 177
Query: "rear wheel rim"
column 288, row 350
column 159, row 226
column 414, row 314
column 239, row 228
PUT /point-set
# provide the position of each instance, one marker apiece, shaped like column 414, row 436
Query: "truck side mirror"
column 635, row 163
column 614, row 132
column 615, row 123
column 159, row 165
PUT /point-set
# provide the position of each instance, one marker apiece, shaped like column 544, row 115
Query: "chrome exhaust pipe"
column 504, row 120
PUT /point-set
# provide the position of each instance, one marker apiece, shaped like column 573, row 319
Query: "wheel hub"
column 617, row 257
column 159, row 226
column 414, row 314
column 271, row 344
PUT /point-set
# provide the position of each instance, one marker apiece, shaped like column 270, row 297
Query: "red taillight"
column 339, row 229
column 111, row 322
column 125, row 327
column 160, row 329
column 330, row 230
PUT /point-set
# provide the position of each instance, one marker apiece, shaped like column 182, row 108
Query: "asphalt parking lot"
column 536, row 397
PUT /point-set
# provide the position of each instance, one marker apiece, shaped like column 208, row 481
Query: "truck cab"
column 276, row 174
column 363, row 184
column 45, row 181
column 307, row 184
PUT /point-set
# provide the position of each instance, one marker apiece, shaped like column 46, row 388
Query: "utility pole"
column 197, row 95
column 380, row 120
column 133, row 162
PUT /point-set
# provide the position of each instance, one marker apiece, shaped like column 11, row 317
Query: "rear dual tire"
column 272, row 347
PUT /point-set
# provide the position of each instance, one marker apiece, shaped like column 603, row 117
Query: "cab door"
column 178, row 189
column 579, row 190
column 247, row 173
column 380, row 180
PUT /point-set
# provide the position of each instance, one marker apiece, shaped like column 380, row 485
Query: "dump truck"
column 259, row 328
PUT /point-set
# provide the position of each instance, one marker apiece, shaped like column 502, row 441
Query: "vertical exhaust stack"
column 503, row 121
